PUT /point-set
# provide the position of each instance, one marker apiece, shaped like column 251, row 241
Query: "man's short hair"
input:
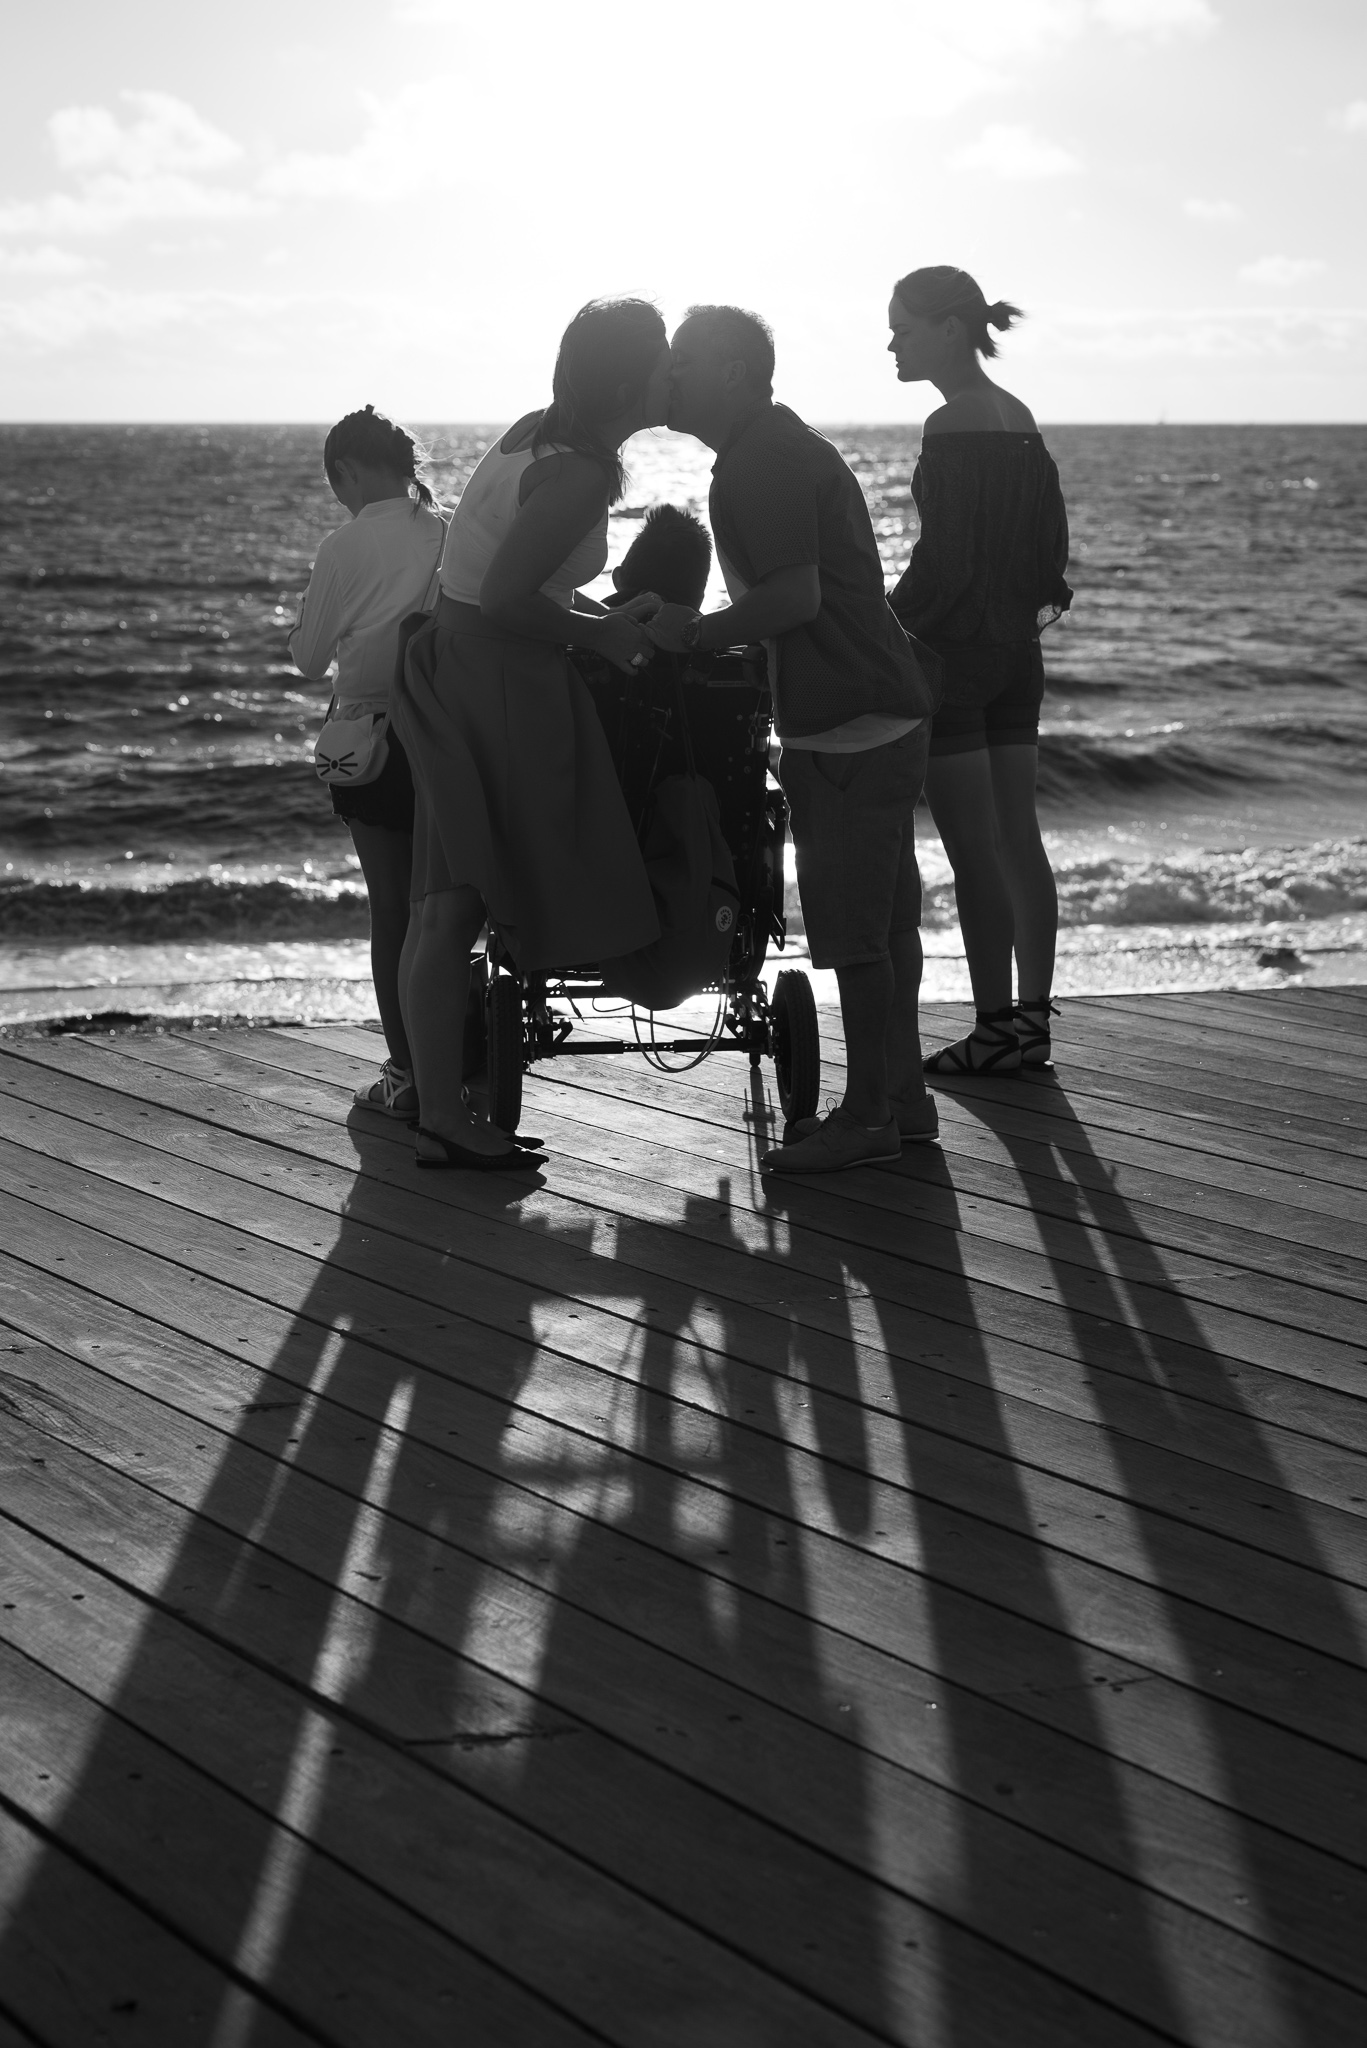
column 741, row 337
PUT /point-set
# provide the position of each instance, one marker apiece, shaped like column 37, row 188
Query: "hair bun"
column 999, row 315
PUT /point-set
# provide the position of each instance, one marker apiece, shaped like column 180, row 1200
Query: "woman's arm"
column 778, row 602
column 313, row 638
column 551, row 524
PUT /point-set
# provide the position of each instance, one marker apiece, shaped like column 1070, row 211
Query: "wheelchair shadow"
column 437, row 1620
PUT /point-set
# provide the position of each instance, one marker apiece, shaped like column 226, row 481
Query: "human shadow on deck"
column 445, row 1707
column 981, row 1624
column 1133, row 1329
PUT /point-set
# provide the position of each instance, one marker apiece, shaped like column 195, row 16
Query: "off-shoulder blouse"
column 988, row 566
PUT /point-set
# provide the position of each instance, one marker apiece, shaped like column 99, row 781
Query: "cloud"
column 1011, row 152
column 139, row 170
column 1161, row 19
column 1282, row 270
column 1221, row 334
column 405, row 147
column 67, row 315
column 168, row 136
column 1214, row 211
column 1353, row 117
column 45, row 262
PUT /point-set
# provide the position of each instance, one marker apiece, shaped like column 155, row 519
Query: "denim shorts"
column 854, row 833
column 999, row 692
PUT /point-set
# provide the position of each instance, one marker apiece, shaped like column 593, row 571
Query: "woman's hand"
column 642, row 607
column 625, row 643
column 666, row 627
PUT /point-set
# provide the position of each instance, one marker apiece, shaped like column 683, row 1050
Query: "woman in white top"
column 368, row 575
column 520, row 816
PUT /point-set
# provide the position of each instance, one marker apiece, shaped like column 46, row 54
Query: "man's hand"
column 666, row 628
column 642, row 607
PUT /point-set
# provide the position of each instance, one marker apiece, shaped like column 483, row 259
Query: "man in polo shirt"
column 796, row 545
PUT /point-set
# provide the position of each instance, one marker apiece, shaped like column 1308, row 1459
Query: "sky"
column 283, row 209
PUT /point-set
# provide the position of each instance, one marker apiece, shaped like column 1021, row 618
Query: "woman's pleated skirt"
column 517, row 796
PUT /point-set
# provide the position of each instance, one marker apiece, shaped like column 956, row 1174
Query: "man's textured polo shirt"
column 783, row 498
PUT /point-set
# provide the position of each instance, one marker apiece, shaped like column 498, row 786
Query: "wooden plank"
column 202, row 1734
column 989, row 1655
column 126, row 1970
column 965, row 1141
column 1096, row 1943
column 239, row 1886
column 1317, row 1250
column 1055, row 1445
column 999, row 1117
column 494, row 1244
column 1032, row 1281
column 1069, row 1241
column 813, row 1418
column 597, row 1945
column 1188, row 1854
column 972, row 1515
column 1108, row 1063
column 1342, row 1012
column 1012, row 1366
column 1088, row 1086
column 1280, row 1013
column 652, row 1256
column 1258, row 1042
column 1345, row 1007
column 434, row 1282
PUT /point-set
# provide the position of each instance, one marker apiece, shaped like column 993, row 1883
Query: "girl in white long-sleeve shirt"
column 368, row 575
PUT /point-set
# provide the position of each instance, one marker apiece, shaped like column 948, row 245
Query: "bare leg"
column 438, row 986
column 386, row 862
column 959, row 790
column 866, row 1008
column 906, row 1081
column 1029, row 877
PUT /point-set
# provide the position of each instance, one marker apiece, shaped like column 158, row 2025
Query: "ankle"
column 992, row 1022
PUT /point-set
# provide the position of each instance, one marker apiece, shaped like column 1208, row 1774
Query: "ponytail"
column 374, row 442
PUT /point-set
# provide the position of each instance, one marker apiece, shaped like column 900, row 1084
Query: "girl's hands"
column 643, row 607
column 625, row 643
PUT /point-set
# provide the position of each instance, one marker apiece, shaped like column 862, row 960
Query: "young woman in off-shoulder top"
column 986, row 575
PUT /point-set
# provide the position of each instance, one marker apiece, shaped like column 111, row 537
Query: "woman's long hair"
column 610, row 343
column 373, row 441
column 939, row 290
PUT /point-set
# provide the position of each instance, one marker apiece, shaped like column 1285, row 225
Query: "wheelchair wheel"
column 796, row 1044
column 505, row 1052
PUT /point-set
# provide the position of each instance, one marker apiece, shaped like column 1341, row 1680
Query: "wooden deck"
column 649, row 1606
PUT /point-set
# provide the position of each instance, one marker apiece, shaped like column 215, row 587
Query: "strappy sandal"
column 456, row 1154
column 990, row 1048
column 1032, row 1032
column 394, row 1094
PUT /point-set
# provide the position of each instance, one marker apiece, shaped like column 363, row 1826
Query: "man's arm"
column 779, row 601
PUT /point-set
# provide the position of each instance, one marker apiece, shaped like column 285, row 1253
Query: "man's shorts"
column 1004, row 689
column 854, row 833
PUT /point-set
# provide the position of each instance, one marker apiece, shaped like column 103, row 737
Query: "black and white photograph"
column 683, row 1024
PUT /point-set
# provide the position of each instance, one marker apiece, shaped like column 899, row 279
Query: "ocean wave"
column 145, row 583
column 197, row 908
column 1073, row 764
column 1273, row 885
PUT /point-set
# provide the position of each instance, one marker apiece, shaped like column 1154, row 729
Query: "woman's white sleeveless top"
column 481, row 521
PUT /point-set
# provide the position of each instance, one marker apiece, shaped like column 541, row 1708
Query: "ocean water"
column 164, row 845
